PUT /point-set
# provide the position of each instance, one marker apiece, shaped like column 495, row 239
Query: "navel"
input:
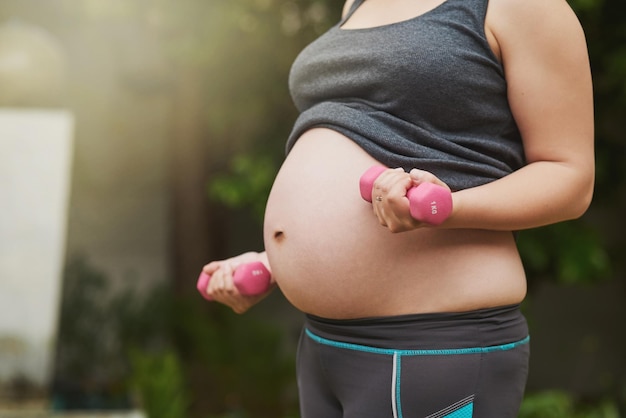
column 279, row 236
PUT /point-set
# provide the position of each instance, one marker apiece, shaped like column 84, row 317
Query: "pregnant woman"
column 491, row 99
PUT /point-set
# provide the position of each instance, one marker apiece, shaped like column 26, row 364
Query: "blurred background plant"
column 170, row 354
column 558, row 404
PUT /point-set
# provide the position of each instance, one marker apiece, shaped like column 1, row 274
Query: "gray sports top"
column 427, row 92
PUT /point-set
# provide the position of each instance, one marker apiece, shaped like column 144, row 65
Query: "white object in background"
column 35, row 164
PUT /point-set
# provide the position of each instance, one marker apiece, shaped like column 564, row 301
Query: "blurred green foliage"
column 87, row 365
column 246, row 185
column 159, row 380
column 557, row 404
column 173, row 355
column 568, row 252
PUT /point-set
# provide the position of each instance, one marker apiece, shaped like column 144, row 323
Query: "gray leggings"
column 443, row 365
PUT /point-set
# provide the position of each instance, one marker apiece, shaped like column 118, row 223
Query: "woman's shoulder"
column 530, row 15
column 545, row 26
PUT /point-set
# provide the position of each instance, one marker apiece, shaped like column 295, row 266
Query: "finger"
column 215, row 283
column 212, row 267
column 228, row 284
column 379, row 211
column 387, row 178
column 390, row 193
column 394, row 184
column 421, row 176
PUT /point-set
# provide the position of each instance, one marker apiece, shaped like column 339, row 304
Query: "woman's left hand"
column 389, row 199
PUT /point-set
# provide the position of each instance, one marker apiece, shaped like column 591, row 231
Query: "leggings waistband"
column 473, row 331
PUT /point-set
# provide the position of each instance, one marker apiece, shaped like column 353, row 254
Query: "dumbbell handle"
column 250, row 279
column 428, row 202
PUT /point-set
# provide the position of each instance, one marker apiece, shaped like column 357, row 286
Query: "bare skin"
column 335, row 256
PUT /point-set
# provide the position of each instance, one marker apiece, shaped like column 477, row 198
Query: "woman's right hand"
column 221, row 287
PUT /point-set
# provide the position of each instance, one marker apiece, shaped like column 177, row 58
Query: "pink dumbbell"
column 428, row 202
column 250, row 279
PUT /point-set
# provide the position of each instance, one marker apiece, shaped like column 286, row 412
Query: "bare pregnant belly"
column 332, row 258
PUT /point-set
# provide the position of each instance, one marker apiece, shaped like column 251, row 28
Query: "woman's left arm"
column 544, row 54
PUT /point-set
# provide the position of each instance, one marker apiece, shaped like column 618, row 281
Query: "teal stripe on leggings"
column 389, row 351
